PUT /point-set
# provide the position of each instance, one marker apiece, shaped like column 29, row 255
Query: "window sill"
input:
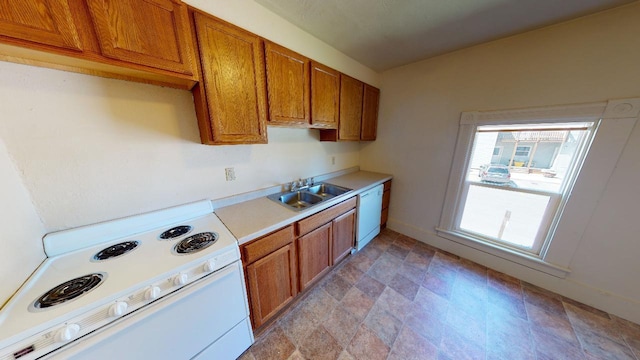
column 529, row 261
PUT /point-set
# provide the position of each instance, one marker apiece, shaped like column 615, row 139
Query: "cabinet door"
column 272, row 284
column 370, row 113
column 350, row 108
column 343, row 235
column 47, row 22
column 153, row 33
column 325, row 96
column 314, row 255
column 231, row 101
column 287, row 86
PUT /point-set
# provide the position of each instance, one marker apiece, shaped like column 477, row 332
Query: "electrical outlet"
column 333, row 160
column 230, row 174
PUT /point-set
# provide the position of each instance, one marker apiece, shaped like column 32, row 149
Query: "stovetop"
column 149, row 260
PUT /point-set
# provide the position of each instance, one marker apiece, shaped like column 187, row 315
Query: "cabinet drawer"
column 387, row 185
column 325, row 216
column 266, row 245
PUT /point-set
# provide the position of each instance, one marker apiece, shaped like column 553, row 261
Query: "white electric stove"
column 161, row 285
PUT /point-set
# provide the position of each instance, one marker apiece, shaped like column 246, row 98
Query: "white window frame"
column 556, row 200
column 500, row 148
column 617, row 120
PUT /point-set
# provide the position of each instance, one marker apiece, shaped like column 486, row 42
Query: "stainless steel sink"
column 327, row 190
column 308, row 196
column 299, row 199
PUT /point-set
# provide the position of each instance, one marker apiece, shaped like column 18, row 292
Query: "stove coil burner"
column 69, row 290
column 195, row 243
column 175, row 232
column 116, row 250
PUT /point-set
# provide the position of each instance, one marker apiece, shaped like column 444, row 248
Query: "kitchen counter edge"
column 255, row 218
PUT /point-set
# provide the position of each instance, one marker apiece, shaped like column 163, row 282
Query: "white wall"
column 90, row 149
column 586, row 60
column 22, row 230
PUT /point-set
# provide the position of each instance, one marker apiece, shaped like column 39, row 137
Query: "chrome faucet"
column 300, row 184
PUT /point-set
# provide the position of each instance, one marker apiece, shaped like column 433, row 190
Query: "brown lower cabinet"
column 386, row 198
column 280, row 265
column 271, row 274
column 344, row 227
column 314, row 255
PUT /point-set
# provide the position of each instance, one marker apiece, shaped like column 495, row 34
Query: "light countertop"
column 251, row 219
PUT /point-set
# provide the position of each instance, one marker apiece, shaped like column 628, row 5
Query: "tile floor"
column 402, row 299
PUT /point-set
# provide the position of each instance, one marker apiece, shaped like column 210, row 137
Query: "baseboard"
column 598, row 298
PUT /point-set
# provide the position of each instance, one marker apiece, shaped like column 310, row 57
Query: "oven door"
column 178, row 326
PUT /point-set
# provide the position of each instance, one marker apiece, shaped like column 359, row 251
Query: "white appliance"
column 369, row 210
column 161, row 285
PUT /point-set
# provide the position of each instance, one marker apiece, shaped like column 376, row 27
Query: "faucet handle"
column 309, row 181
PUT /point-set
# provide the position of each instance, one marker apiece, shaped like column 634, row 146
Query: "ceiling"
column 383, row 34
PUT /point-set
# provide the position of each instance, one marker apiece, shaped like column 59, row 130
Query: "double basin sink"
column 308, row 197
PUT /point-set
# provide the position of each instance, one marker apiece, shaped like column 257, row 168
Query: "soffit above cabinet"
column 383, row 34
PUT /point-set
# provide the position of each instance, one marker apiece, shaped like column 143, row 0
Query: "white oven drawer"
column 178, row 326
column 231, row 345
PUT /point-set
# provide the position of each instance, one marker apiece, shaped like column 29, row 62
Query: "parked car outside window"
column 495, row 174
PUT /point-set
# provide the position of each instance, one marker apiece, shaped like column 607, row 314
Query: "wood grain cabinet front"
column 47, row 22
column 231, row 102
column 146, row 41
column 351, row 91
column 271, row 282
column 386, row 198
column 358, row 116
column 343, row 236
column 278, row 266
column 271, row 271
column 288, row 86
column 314, row 255
column 325, row 238
column 325, row 96
column 153, row 33
column 370, row 100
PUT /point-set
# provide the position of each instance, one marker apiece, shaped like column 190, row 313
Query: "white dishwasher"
column 369, row 209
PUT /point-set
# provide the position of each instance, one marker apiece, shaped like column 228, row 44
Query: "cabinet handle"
column 365, row 195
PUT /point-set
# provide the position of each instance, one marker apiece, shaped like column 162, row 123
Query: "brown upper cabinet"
column 146, row 32
column 240, row 82
column 287, row 86
column 351, row 91
column 231, row 103
column 350, row 114
column 47, row 22
column 325, row 96
column 138, row 40
column 369, row 128
column 358, row 112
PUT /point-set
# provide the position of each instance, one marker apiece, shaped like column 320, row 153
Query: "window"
column 523, row 151
column 497, row 151
column 538, row 216
column 513, row 206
